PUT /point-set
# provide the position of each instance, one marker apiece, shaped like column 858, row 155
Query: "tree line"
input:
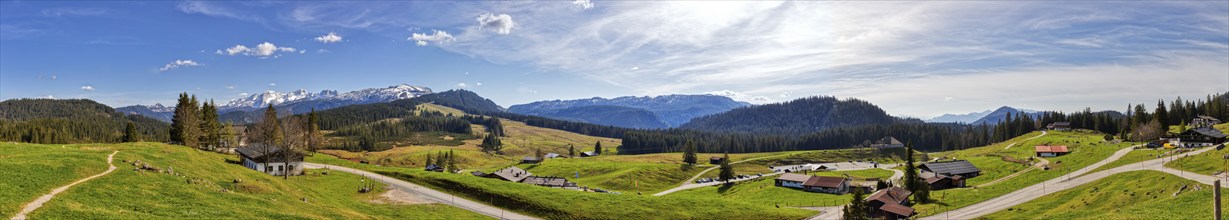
column 65, row 121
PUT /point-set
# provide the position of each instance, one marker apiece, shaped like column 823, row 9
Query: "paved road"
column 827, row 213
column 441, row 197
column 1043, row 133
column 47, row 197
column 1069, row 181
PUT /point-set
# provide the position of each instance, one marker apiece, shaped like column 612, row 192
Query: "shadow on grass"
column 232, row 161
column 725, row 187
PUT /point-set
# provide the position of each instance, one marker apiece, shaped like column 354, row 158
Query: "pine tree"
column 689, row 153
column 130, row 132
column 439, row 159
column 571, row 151
column 211, row 128
column 314, row 139
column 923, row 193
column 429, row 162
column 911, row 172
column 597, row 148
column 727, row 171
column 452, row 162
column 491, row 143
column 185, row 122
column 1162, row 115
column 856, row 210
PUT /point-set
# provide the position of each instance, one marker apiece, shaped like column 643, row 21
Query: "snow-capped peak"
column 371, row 95
column 158, row 107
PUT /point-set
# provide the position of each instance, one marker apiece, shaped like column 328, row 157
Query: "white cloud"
column 462, row 85
column 500, row 24
column 47, row 97
column 206, row 8
column 739, row 96
column 265, row 49
column 87, row 88
column 177, row 64
column 436, row 36
column 230, row 86
column 584, row 4
column 478, row 84
column 272, row 84
column 243, row 94
column 329, row 38
column 949, row 98
column 786, row 94
column 634, row 68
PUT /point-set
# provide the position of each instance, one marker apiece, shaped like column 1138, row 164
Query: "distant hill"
column 1001, row 113
column 960, row 118
column 609, row 115
column 156, row 111
column 71, row 121
column 464, row 100
column 671, row 110
column 800, row 116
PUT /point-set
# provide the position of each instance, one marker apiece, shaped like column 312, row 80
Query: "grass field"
column 1207, row 163
column 1130, row 195
column 1087, row 148
column 762, row 191
column 622, row 176
column 196, row 190
column 31, row 170
column 760, row 165
column 1136, row 156
column 554, row 203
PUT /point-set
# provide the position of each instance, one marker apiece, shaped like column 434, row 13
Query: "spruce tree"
column 689, row 153
column 597, row 148
column 571, row 150
column 185, row 122
column 727, row 171
column 130, row 132
column 856, row 210
column 211, row 128
column 911, row 172
column 429, row 162
column 177, row 119
column 452, row 162
column 923, row 193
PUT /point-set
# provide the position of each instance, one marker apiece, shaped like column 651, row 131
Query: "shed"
column 433, row 167
column 1059, row 126
column 513, row 173
column 715, row 160
column 531, row 160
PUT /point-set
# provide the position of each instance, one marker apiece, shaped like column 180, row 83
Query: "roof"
column 714, row 158
column 588, row 153
column 889, row 140
column 794, row 177
column 1063, row 123
column 529, row 158
column 1051, row 149
column 514, row 174
column 954, row 167
column 825, row 181
column 1207, row 117
column 546, row 181
column 258, row 152
column 897, row 209
column 552, row 155
column 891, row 195
column 1206, row 131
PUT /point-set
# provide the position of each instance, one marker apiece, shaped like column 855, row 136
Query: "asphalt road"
column 437, row 196
column 1069, row 181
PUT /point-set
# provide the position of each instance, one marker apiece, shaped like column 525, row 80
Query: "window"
column 279, row 168
column 268, row 168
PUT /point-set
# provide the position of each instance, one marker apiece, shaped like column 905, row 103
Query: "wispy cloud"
column 583, row 4
column 62, row 12
column 210, row 9
column 178, row 63
column 87, row 88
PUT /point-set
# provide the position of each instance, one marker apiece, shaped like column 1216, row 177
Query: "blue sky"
column 916, row 59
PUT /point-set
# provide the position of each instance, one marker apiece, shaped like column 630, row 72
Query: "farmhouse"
column 531, row 160
column 792, row 180
column 1051, row 151
column 937, row 181
column 1200, row 137
column 827, row 184
column 890, row 203
column 887, row 142
column 824, row 184
column 271, row 160
column 715, row 160
column 1059, row 126
column 512, row 173
column 1204, row 121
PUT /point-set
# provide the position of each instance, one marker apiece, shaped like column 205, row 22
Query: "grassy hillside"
column 201, row 187
column 554, row 203
column 762, row 191
column 31, row 170
column 1136, row 156
column 760, row 165
column 1087, row 148
column 625, row 177
column 1207, row 163
column 1130, row 195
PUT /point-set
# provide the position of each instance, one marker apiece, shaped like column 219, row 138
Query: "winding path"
column 440, row 197
column 30, row 207
column 1071, row 180
column 1043, row 133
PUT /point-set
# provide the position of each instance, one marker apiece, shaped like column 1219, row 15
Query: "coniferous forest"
column 72, row 121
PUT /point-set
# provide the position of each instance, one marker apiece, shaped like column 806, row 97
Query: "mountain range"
column 630, row 111
column 984, row 117
column 795, row 117
column 1001, row 113
column 242, row 110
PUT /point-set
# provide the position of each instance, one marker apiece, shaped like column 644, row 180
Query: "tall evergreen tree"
column 315, row 138
column 429, row 162
column 185, row 122
column 452, row 162
column 727, row 171
column 1162, row 115
column 130, row 132
column 856, row 210
column 597, row 147
column 440, row 159
column 571, row 150
column 689, row 153
column 211, row 128
column 911, row 172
